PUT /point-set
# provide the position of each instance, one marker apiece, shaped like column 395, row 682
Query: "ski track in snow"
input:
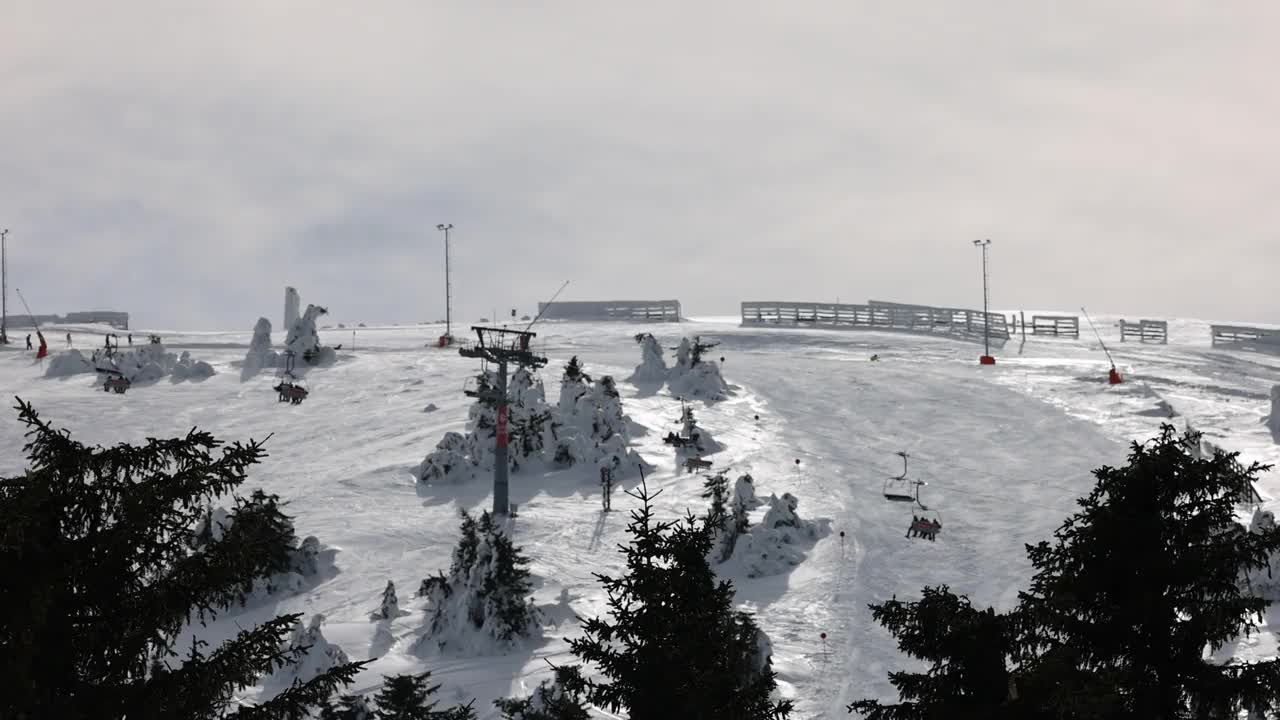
column 1005, row 450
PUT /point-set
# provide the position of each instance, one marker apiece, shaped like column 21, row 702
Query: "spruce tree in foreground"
column 1146, row 575
column 675, row 647
column 98, row 544
column 408, row 697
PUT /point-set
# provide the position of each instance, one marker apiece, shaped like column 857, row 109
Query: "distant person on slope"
column 68, row 339
column 28, row 341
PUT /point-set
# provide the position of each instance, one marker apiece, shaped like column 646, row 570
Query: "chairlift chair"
column 901, row 489
column 291, row 389
column 116, row 382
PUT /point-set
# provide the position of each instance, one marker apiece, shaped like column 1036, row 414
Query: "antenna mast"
column 447, row 338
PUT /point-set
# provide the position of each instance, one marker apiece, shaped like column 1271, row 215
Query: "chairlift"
column 116, row 382
column 291, row 389
column 899, row 488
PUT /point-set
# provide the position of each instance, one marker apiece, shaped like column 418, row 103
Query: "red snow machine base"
column 986, row 360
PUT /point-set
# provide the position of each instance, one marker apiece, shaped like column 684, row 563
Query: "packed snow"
column 1003, row 450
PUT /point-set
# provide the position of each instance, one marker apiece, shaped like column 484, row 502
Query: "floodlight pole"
column 986, row 315
column 4, row 289
column 448, row 289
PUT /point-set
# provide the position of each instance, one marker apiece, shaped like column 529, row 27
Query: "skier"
column 28, row 341
column 68, row 339
column 875, row 358
column 911, row 529
column 130, row 338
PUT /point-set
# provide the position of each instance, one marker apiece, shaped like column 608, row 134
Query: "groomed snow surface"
column 1005, row 450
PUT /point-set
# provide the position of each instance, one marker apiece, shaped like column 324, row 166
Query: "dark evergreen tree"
column 102, row 539
column 490, row 579
column 408, row 697
column 1119, row 612
column 716, row 489
column 1147, row 574
column 389, row 609
column 348, row 707
column 675, row 647
column 573, row 372
column 966, row 651
column 561, row 699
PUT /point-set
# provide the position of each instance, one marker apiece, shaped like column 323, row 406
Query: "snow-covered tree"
column 695, row 378
column 304, row 341
column 484, row 600
column 778, row 542
column 652, row 369
column 1265, row 582
column 316, row 655
column 260, row 354
column 389, row 609
column 672, row 620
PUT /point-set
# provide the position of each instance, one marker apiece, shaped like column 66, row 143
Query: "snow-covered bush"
column 778, row 542
column 260, row 354
column 652, row 369
column 188, row 369
column 704, row 443
column 142, row 364
column 317, row 655
column 68, row 363
column 693, row 377
column 483, row 604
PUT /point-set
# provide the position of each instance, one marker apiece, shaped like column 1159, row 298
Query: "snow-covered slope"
column 1005, row 450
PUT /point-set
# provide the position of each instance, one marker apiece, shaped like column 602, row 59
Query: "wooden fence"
column 1246, row 338
column 1147, row 331
column 1056, row 325
column 632, row 310
column 877, row 315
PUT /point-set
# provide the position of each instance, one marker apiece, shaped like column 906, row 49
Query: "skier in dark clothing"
column 28, row 341
column 130, row 338
column 68, row 339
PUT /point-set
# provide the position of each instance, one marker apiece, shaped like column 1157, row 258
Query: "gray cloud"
column 184, row 161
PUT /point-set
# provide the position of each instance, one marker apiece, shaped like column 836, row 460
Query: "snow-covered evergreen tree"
column 260, row 354
column 458, row 458
column 652, row 370
column 483, row 603
column 694, row 377
column 316, row 654
column 145, row 363
column 778, row 542
column 304, row 340
column 389, row 609
column 1265, row 584
column 590, row 426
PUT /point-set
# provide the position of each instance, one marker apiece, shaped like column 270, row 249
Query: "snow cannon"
column 986, row 360
column 445, row 340
column 1113, row 376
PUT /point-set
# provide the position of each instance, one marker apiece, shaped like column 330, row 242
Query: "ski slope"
column 1005, row 450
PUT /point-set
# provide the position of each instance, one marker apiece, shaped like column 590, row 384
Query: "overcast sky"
column 184, row 161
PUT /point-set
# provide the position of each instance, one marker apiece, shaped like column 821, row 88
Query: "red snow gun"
column 1113, row 376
